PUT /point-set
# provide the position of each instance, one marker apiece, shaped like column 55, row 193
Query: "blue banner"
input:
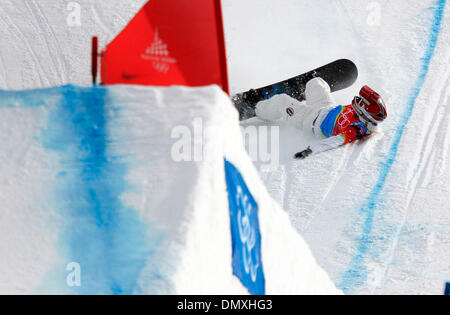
column 245, row 234
column 447, row 288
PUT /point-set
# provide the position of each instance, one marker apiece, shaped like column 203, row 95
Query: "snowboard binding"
column 244, row 106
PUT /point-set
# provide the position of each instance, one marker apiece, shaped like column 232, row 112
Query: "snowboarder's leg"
column 318, row 94
column 318, row 98
column 275, row 108
column 284, row 108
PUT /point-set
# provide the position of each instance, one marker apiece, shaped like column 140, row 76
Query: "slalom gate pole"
column 94, row 62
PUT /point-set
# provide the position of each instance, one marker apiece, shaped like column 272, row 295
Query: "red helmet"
column 369, row 106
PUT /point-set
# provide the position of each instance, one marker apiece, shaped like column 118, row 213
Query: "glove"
column 303, row 154
column 360, row 128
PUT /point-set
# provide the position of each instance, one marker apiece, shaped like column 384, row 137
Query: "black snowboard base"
column 339, row 75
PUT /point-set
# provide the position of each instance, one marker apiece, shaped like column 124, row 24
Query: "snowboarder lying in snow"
column 337, row 125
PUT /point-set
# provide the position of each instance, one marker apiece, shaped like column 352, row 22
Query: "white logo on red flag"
column 158, row 54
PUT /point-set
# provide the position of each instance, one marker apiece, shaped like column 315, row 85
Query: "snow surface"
column 375, row 214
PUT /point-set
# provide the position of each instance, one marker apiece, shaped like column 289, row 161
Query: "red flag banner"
column 169, row 42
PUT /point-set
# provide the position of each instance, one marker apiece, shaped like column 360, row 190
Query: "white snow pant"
column 285, row 108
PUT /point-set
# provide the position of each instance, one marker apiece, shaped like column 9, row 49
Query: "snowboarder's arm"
column 328, row 144
column 355, row 131
column 323, row 145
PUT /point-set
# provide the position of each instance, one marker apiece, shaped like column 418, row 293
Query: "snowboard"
column 339, row 75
